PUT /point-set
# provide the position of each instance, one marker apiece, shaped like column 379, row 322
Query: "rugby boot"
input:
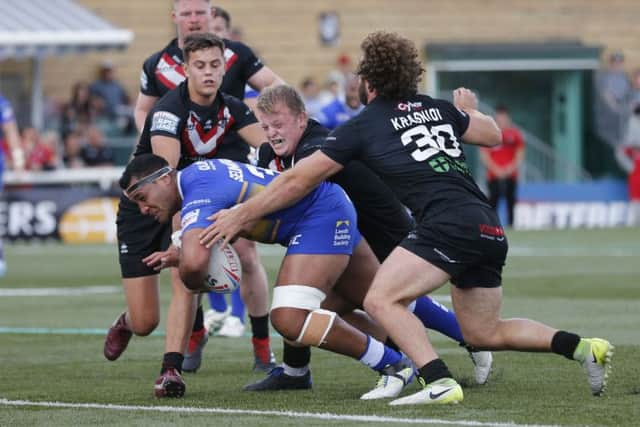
column 594, row 354
column 482, row 365
column 393, row 379
column 193, row 357
column 442, row 391
column 169, row 384
column 117, row 338
column 278, row 380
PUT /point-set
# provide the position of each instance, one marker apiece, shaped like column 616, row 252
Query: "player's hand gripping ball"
column 224, row 272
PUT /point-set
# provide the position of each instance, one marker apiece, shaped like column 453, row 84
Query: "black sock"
column 391, row 344
column 172, row 360
column 296, row 357
column 198, row 323
column 260, row 326
column 565, row 343
column 433, row 371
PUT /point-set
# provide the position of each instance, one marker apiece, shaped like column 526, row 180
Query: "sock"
column 295, row 357
column 237, row 305
column 198, row 323
column 437, row 317
column 433, row 371
column 217, row 302
column 377, row 355
column 566, row 344
column 260, row 326
column 295, row 372
column 261, row 349
column 172, row 360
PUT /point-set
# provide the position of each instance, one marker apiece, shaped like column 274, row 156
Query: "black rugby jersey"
column 414, row 146
column 382, row 219
column 163, row 70
column 202, row 131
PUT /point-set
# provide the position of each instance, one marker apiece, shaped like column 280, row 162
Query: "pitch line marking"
column 71, row 292
column 291, row 414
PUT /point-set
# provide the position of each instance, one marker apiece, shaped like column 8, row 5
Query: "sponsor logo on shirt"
column 190, row 218
column 165, row 121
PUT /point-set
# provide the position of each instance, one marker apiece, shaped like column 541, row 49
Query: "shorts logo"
column 342, row 233
column 124, row 249
column 491, row 232
column 165, row 121
column 295, row 240
column 189, row 218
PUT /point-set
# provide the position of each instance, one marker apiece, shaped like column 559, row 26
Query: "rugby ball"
column 224, row 273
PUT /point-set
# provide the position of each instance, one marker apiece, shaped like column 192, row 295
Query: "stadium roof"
column 37, row 28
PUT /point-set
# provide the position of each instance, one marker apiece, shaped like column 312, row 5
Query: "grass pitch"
column 51, row 348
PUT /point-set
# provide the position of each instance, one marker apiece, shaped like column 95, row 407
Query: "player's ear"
column 302, row 119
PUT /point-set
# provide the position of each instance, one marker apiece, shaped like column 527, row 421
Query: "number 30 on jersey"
column 432, row 141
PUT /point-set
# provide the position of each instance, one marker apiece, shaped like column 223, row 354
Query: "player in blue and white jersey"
column 320, row 233
column 8, row 135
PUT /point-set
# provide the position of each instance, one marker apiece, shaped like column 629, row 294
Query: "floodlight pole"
column 37, row 115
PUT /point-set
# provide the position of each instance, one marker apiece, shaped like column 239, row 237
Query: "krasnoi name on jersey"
column 416, row 118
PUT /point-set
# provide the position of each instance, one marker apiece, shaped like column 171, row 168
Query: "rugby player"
column 412, row 142
column 190, row 122
column 319, row 232
column 382, row 220
column 9, row 135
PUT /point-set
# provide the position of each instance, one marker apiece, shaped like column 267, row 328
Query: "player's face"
column 157, row 198
column 283, row 128
column 219, row 27
column 192, row 16
column 205, row 70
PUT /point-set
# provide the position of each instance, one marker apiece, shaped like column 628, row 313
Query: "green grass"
column 584, row 281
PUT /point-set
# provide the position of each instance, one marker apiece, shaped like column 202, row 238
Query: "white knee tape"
column 297, row 296
column 176, row 238
column 316, row 327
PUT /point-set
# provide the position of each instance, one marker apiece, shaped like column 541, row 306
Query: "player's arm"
column 253, row 135
column 194, row 259
column 10, row 130
column 284, row 191
column 482, row 129
column 166, row 147
column 144, row 104
column 264, row 77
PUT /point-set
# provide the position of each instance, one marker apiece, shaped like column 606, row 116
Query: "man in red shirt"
column 502, row 163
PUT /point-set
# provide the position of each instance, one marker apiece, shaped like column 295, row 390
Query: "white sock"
column 295, row 372
column 374, row 353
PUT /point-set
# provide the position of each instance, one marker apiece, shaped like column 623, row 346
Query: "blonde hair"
column 285, row 94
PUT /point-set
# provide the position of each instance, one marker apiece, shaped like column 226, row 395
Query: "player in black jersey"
column 163, row 70
column 413, row 143
column 190, row 122
column 382, row 220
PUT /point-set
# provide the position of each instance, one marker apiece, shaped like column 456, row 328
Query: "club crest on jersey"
column 409, row 106
column 205, row 137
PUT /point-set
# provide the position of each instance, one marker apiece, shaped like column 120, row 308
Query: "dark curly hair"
column 390, row 64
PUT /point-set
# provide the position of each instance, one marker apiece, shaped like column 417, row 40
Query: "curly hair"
column 390, row 64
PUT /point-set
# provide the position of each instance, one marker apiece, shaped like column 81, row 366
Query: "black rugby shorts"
column 138, row 236
column 467, row 242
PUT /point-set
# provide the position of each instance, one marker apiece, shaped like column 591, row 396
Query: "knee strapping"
column 316, row 327
column 318, row 322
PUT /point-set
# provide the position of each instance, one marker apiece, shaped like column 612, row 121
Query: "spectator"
column 95, row 152
column 310, row 93
column 43, row 153
column 338, row 112
column 9, row 136
column 79, row 111
column 502, row 163
column 613, row 91
column 72, row 148
column 111, row 92
column 342, row 74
